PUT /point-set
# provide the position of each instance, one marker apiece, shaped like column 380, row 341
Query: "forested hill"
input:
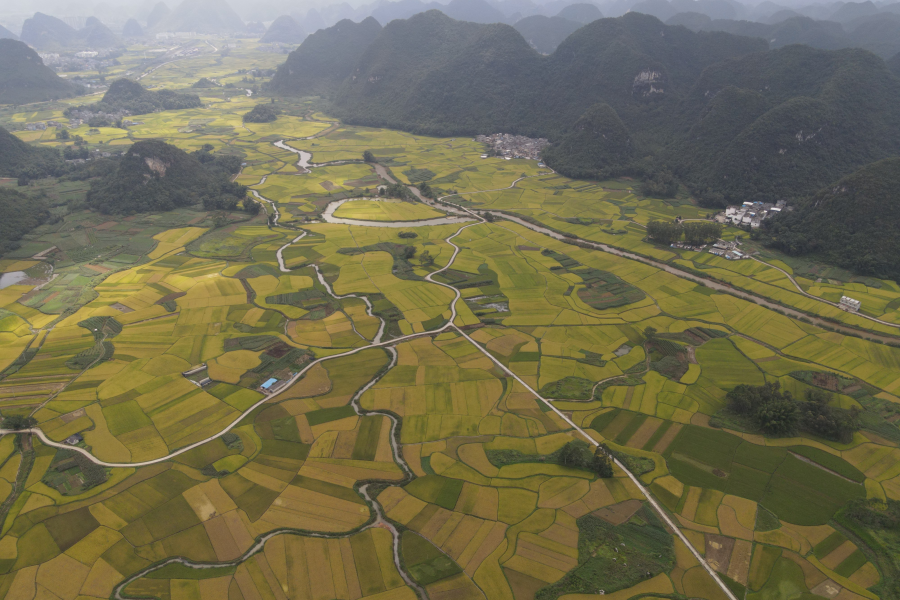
column 18, row 159
column 436, row 75
column 131, row 96
column 324, row 59
column 24, row 78
column 787, row 122
column 156, row 176
column 732, row 119
column 851, row 223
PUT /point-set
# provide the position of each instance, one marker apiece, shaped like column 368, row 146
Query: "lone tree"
column 369, row 157
column 426, row 259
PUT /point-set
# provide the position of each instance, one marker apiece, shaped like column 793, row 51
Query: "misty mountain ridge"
column 284, row 30
column 49, row 33
column 24, row 78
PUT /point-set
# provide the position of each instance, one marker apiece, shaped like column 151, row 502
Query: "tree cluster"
column 662, row 184
column 262, row 113
column 577, row 454
column 18, row 422
column 776, row 412
column 396, row 190
column 369, row 157
column 694, row 233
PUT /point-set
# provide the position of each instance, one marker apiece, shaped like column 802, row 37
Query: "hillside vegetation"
column 852, row 223
column 324, row 59
column 131, row 96
column 24, row 78
column 18, row 159
column 156, row 176
column 19, row 214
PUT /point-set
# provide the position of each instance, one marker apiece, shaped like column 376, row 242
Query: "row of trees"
column 776, row 412
column 692, row 232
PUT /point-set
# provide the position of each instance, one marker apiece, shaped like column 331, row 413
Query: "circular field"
column 386, row 210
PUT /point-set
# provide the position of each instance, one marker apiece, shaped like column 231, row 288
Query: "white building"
column 86, row 54
column 849, row 304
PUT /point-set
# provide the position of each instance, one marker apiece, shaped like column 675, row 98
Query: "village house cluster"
column 751, row 214
column 513, row 146
column 728, row 250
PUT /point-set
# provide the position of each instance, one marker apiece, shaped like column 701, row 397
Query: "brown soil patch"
column 248, row 290
column 37, row 387
column 328, row 186
column 121, row 307
column 528, row 248
column 75, row 414
column 829, row 381
column 700, row 419
column 454, row 444
column 629, row 393
column 106, row 225
column 667, row 438
column 97, row 268
column 718, row 552
column 222, row 541
column 644, row 433
column 739, row 566
column 171, row 297
column 524, row 587
column 839, row 554
column 827, row 589
column 618, row 513
column 315, row 383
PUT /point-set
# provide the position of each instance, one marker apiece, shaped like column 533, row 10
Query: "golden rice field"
column 177, row 329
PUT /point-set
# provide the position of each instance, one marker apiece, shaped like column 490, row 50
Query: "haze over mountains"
column 869, row 25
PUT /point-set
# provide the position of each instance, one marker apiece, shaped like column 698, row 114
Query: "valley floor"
column 309, row 409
